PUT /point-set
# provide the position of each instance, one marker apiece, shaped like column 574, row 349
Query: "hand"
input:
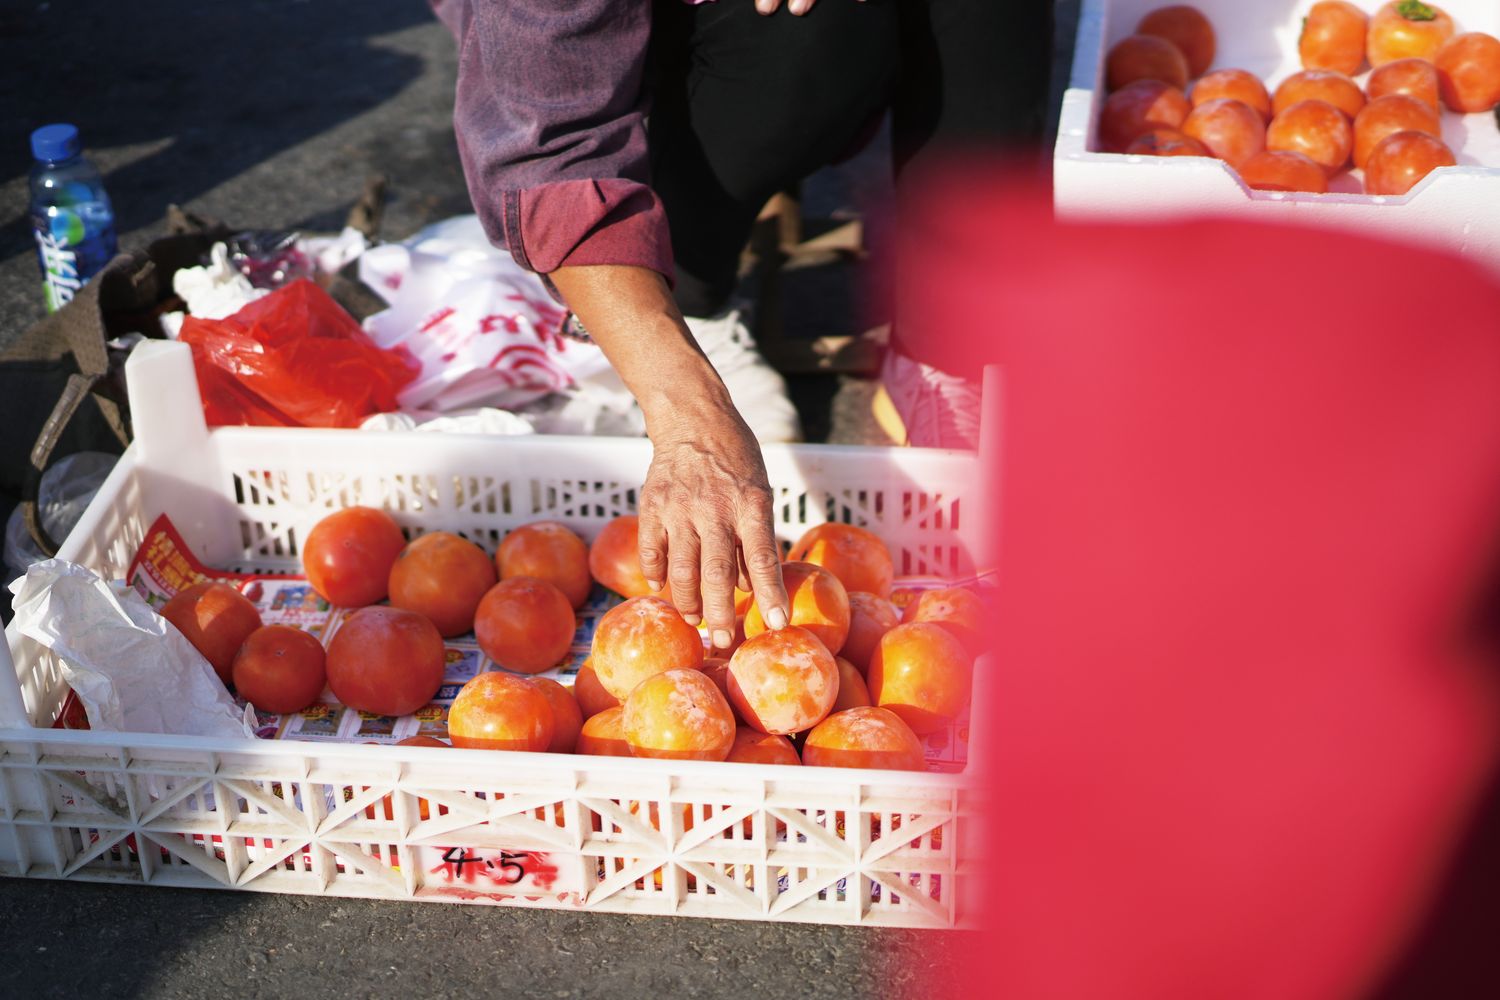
column 706, row 520
column 798, row 7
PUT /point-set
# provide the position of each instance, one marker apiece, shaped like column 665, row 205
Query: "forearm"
column 705, row 507
column 630, row 314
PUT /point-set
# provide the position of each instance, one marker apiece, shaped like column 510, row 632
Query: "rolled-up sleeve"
column 550, row 120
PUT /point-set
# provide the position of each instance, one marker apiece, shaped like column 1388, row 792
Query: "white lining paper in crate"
column 1453, row 209
column 641, row 836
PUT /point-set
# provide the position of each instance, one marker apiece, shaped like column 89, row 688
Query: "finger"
column 767, row 6
column 743, row 582
column 651, row 544
column 682, row 570
column 800, row 7
column 718, row 570
column 763, row 560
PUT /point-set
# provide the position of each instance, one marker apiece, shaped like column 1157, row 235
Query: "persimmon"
column 547, row 551
column 216, row 619
column 1234, row 84
column 1401, row 160
column 280, row 669
column 784, row 681
column 819, row 603
column 754, row 747
column 641, row 637
column 923, row 674
column 739, row 635
column 603, row 735
column 957, row 609
column 1318, row 85
column 525, row 624
column 500, row 711
column 654, row 812
column 567, row 717
column 1413, row 77
column 1388, row 115
column 444, row 577
column 1333, row 37
column 864, row 737
column 1232, row 130
column 1468, row 69
column 1138, row 108
column 716, row 669
column 424, row 808
column 1166, row 142
column 1407, row 29
column 1317, row 130
column 855, row 555
column 853, row 693
column 870, row 617
column 387, row 661
column 348, row 555
column 1186, row 28
column 615, row 559
column 424, row 741
column 1145, row 57
column 1282, row 170
column 589, row 693
column 678, row 715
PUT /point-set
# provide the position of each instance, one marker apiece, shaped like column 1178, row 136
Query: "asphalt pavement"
column 272, row 114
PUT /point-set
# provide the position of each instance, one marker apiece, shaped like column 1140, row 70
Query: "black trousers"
column 744, row 105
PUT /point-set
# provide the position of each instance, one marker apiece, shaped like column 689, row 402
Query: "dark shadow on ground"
column 225, row 86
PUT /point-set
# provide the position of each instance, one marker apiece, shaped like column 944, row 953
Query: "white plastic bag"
column 330, row 254
column 132, row 670
column 484, row 329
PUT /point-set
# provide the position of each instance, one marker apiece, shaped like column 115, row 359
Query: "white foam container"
column 1455, row 208
column 301, row 817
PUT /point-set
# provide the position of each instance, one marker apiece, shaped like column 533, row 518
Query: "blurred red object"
column 1247, row 705
column 292, row 358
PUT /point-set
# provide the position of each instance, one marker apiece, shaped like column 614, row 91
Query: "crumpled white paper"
column 132, row 670
column 211, row 292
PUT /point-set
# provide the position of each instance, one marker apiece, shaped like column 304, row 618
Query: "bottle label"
column 59, row 269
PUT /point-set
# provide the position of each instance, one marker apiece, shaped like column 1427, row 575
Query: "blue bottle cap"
column 55, row 142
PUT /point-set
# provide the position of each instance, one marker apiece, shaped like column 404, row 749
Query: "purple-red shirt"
column 550, row 120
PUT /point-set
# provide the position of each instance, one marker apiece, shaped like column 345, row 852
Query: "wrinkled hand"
column 798, row 7
column 705, row 510
column 705, row 522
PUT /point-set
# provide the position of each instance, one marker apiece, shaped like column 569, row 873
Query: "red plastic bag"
column 293, row 358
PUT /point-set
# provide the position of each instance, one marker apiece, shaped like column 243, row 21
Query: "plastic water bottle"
column 70, row 214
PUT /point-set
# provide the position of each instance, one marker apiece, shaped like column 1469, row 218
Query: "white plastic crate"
column 860, row 847
column 1457, row 208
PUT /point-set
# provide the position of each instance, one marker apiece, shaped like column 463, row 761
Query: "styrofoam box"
column 734, row 840
column 1456, row 208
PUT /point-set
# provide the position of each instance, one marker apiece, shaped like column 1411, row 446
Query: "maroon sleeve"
column 550, row 119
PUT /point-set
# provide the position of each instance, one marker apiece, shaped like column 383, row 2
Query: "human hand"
column 706, row 520
column 798, row 7
column 705, row 510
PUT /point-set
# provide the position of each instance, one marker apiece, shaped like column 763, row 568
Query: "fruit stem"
column 1416, row 10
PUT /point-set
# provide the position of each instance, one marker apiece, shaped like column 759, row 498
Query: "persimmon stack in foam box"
column 1451, row 207
column 633, row 834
